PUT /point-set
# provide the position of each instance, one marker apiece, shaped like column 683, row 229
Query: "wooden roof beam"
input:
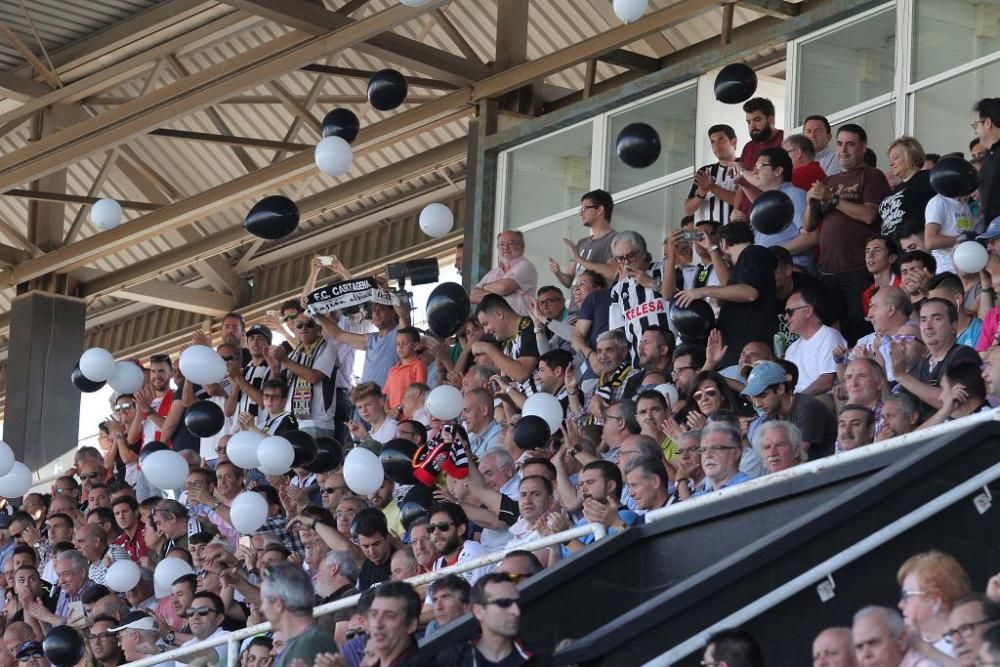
column 158, row 293
column 779, row 9
column 352, row 73
column 249, row 142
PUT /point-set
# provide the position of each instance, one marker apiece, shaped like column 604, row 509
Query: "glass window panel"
column 546, row 241
column 548, row 176
column 880, row 125
column 847, row 67
column 942, row 113
column 673, row 118
column 950, row 33
column 653, row 214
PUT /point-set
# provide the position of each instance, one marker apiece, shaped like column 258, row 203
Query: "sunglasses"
column 305, row 325
column 199, row 611
column 124, row 406
column 705, row 393
column 89, row 475
column 31, row 656
column 333, row 489
column 444, row 527
column 503, row 603
column 351, row 634
column 229, row 358
column 289, row 318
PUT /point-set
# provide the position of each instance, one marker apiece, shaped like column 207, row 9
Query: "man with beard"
column 760, row 123
column 103, row 643
column 592, row 252
column 855, row 427
column 916, row 268
column 153, row 402
column 600, row 489
column 384, row 502
column 656, row 346
column 448, row 527
column 249, row 378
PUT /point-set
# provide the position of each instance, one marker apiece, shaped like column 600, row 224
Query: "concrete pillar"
column 42, row 412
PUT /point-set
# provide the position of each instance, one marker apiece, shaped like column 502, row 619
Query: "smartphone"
column 245, row 542
column 325, row 260
column 688, row 235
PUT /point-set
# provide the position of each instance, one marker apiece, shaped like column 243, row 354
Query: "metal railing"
column 233, row 639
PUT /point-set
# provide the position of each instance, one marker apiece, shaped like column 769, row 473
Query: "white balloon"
column 630, row 11
column 970, row 257
column 545, row 406
column 165, row 469
column 127, row 378
column 17, row 482
column 363, row 472
column 275, row 455
column 436, row 220
column 444, row 402
column 248, row 512
column 6, row 458
column 333, row 156
column 202, row 365
column 242, row 449
column 97, row 364
column 106, row 214
column 414, row 3
column 122, row 576
column 167, row 572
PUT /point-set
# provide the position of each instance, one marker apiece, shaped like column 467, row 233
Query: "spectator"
column 636, row 303
column 912, row 189
column 900, row 415
column 760, row 123
column 311, row 377
column 677, row 267
column 748, row 307
column 734, row 648
column 205, row 617
column 889, row 313
column 138, row 636
column 551, row 316
column 989, row 651
column 713, row 192
column 948, row 286
column 910, row 234
column 514, row 278
column 277, row 420
column 864, row 382
column 593, row 318
column 930, row 583
column 287, row 597
column 916, row 268
column 806, row 170
column 971, row 616
column 249, row 379
column 92, row 542
column 619, row 378
column 103, row 643
column 946, row 221
column 392, row 623
column 812, row 353
column 779, row 445
column 880, row 638
column 450, row 598
column 817, row 129
column 847, row 205
column 517, row 355
column 855, row 427
column 986, row 125
column 591, row 253
column 991, row 236
column 448, row 528
column 646, row 478
column 152, row 402
column 963, row 393
column 370, row 405
column 833, row 647
column 477, row 413
column 881, row 256
column 721, row 448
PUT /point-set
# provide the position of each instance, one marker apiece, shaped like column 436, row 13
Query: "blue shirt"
column 798, row 197
column 380, row 356
column 738, row 478
column 627, row 516
column 488, row 440
column 971, row 334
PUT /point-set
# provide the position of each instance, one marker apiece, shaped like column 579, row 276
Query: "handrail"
column 801, row 470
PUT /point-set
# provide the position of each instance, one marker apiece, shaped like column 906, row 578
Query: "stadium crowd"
column 732, row 355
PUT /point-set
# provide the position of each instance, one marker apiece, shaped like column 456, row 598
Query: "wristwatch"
column 170, row 638
column 834, row 200
column 713, row 248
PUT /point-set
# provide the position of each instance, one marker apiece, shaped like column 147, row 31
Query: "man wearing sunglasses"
column 31, row 655
column 205, row 618
column 312, row 377
column 812, row 353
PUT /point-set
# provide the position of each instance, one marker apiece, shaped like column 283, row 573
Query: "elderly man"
column 71, row 572
column 900, row 415
column 138, row 636
column 514, row 278
column 855, row 427
column 889, row 312
column 620, row 422
column 812, row 353
column 287, row 599
column 91, row 540
column 172, row 523
column 497, row 469
column 636, row 302
column 779, row 444
column 864, row 380
column 834, row 647
column 477, row 412
column 880, row 639
column 970, row 618
column 618, row 378
column 646, row 478
column 721, row 449
column 806, row 169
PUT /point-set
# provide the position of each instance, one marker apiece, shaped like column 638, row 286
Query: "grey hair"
column 792, row 432
column 722, row 427
column 347, row 568
column 269, row 538
column 892, row 618
column 617, row 336
column 146, row 575
column 291, row 585
column 906, row 401
column 650, row 467
column 630, row 236
column 693, row 435
column 502, row 456
column 79, row 560
column 648, row 447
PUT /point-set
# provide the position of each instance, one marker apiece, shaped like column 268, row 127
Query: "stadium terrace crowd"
column 731, row 355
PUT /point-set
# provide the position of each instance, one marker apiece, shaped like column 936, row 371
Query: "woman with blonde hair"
column 931, row 582
column 911, row 186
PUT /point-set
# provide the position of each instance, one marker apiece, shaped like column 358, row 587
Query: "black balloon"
column 81, row 382
column 954, row 177
column 329, row 455
column 447, row 309
column 152, row 446
column 531, row 432
column 397, row 460
column 415, row 504
column 204, row 418
column 272, row 218
column 386, row 89
column 638, row 145
column 771, row 212
column 341, row 123
column 735, row 83
column 694, row 322
column 63, row 646
column 304, row 446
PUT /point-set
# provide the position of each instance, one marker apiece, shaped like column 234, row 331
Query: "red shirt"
column 804, row 176
column 136, row 546
column 866, row 296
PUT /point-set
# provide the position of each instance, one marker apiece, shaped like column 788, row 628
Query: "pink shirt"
column 521, row 271
column 989, row 331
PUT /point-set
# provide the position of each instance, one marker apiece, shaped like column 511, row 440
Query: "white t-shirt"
column 385, row 432
column 221, row 649
column 149, row 427
column 814, row 357
column 954, row 217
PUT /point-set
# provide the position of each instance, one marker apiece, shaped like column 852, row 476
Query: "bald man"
column 833, row 647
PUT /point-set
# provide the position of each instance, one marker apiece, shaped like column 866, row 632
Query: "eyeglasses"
column 584, row 207
column 621, row 259
column 102, row 635
column 545, row 302
column 976, row 123
column 715, row 449
column 680, row 369
column 791, row 311
column 444, row 527
column 89, row 475
column 905, row 595
column 62, row 489
column 309, row 324
column 199, row 611
column 618, row 417
column 229, row 358
column 351, row 634
column 688, row 450
column 503, row 603
column 333, row 489
column 705, row 393
column 966, row 630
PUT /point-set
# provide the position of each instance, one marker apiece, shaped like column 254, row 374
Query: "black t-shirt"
column 183, row 438
column 372, row 574
column 989, row 183
column 757, row 320
column 932, row 375
column 906, row 202
column 817, row 423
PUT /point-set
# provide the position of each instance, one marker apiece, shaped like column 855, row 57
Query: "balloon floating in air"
column 81, row 382
column 128, row 378
column 693, row 322
column 122, row 576
column 447, row 309
column 970, row 257
column 63, row 646
column 202, row 365
column 363, row 472
column 303, row 446
column 333, row 156
column 415, row 503
column 341, row 123
column 954, row 177
column 638, row 145
column 771, row 212
column 275, row 455
column 630, row 11
column 242, row 449
column 106, row 214
column 444, row 402
column 249, row 512
column 547, row 407
column 329, row 455
column 436, row 220
column 386, row 89
column 272, row 218
column 204, row 418
column 7, row 460
column 17, row 482
column 167, row 571
column 97, row 364
column 165, row 469
column 397, row 460
column 735, row 83
column 531, row 432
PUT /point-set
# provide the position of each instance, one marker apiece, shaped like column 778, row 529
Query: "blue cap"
column 733, row 373
column 763, row 375
column 992, row 232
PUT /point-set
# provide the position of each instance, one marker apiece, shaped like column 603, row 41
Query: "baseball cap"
column 28, row 649
column 733, row 373
column 260, row 330
column 992, row 232
column 763, row 375
column 136, row 620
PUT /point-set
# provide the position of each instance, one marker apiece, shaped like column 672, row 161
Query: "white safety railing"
column 234, row 639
